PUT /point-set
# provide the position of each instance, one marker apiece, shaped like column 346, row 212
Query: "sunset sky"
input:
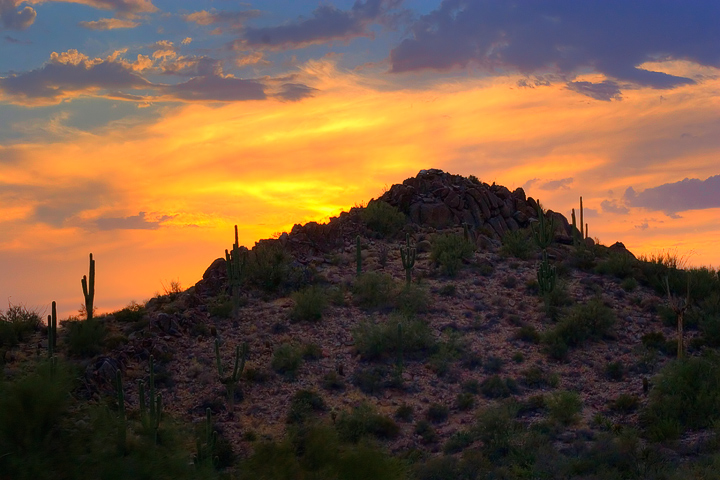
column 143, row 130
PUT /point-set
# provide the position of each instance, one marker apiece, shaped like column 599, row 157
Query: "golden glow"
column 266, row 165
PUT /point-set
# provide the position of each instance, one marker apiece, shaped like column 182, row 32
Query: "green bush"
column 437, row 413
column 624, row 403
column 370, row 380
column 496, row 387
column 465, row 401
column 426, row 432
column 286, row 360
column 303, row 404
column 310, row 303
column 16, row 325
column 377, row 340
column 85, row 338
column 686, row 393
column 364, row 421
column 404, row 413
column 589, row 321
column 458, row 442
column 615, row 370
column 382, row 218
column 448, row 251
column 619, row 264
column 131, row 314
column 333, row 381
column 269, row 267
column 517, row 244
column 411, row 300
column 527, row 333
column 564, row 407
column 374, row 290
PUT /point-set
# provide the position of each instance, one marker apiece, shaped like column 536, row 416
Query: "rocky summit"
column 455, row 326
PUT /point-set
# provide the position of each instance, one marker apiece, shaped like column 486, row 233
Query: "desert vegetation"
column 392, row 342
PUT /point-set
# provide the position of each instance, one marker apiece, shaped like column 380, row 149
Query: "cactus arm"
column 407, row 255
column 583, row 233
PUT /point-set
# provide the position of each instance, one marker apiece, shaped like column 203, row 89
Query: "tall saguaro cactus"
column 151, row 417
column 235, row 262
column 679, row 306
column 52, row 331
column 88, row 286
column 583, row 230
column 543, row 236
column 407, row 254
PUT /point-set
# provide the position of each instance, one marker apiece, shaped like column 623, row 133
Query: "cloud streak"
column 612, row 37
column 327, row 23
column 13, row 19
column 673, row 198
column 108, row 24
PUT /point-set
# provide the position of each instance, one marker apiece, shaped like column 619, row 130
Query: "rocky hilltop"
column 414, row 322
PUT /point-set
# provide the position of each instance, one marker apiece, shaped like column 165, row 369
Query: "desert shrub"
column 657, row 341
column 624, row 403
column 493, row 364
column 448, row 251
column 629, row 284
column 497, row 429
column 85, row 338
column 374, row 290
column 465, row 401
column 16, row 325
column 556, row 301
column 437, row 413
column 615, row 370
column 382, row 218
column 303, row 404
column 510, row 281
column 404, row 413
column 311, row 351
column 411, row 300
column 471, row 386
column 310, row 303
column 376, row 340
column 589, row 321
column 517, row 244
column 448, row 290
column 686, row 394
column 363, row 421
column 130, row 314
column 270, row 267
column 458, row 442
column 370, row 380
column 286, row 360
column 619, row 264
column 426, row 431
column 333, row 381
column 497, row 387
column 535, row 377
column 527, row 333
column 564, row 407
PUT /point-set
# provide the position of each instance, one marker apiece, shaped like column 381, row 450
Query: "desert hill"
column 420, row 324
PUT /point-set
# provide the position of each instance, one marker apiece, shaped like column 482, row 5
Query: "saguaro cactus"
column 543, row 233
column 232, row 380
column 52, row 331
column 151, row 418
column 679, row 306
column 88, row 286
column 205, row 452
column 407, row 255
column 583, row 230
column 235, row 262
column 546, row 275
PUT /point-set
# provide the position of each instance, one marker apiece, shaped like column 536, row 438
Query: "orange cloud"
column 174, row 187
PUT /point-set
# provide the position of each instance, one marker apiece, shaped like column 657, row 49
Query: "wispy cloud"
column 327, row 23
column 133, row 222
column 109, row 24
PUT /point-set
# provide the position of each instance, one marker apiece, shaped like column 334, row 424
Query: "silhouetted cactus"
column 407, row 255
column 546, row 275
column 582, row 232
column 52, row 331
column 679, row 306
column 235, row 262
column 88, row 286
column 358, row 255
column 232, row 380
column 205, row 451
column 151, row 419
column 543, row 233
